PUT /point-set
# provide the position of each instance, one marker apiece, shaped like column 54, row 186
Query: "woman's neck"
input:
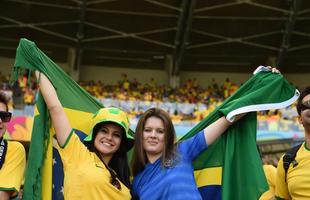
column 307, row 139
column 152, row 158
column 106, row 159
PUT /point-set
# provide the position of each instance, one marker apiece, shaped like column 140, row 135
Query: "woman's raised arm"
column 59, row 119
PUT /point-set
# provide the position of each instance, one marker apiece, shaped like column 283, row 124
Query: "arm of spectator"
column 217, row 128
column 59, row 119
column 5, row 195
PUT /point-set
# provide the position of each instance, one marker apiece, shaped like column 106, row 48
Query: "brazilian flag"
column 231, row 168
column 79, row 107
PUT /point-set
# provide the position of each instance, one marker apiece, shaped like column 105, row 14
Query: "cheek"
column 303, row 116
column 144, row 139
column 144, row 136
column 96, row 140
column 96, row 144
column 118, row 141
column 162, row 139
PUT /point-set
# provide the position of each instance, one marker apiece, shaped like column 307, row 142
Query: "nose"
column 153, row 133
column 109, row 136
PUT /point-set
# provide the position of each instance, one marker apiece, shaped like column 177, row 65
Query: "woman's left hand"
column 274, row 70
column 238, row 117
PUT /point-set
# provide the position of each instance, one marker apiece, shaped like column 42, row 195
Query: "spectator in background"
column 29, row 97
column 125, row 84
column 12, row 157
column 153, row 84
column 295, row 183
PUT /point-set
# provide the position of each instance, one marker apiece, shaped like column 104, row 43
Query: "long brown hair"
column 139, row 155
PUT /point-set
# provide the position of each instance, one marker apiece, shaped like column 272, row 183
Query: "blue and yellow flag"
column 44, row 174
column 231, row 168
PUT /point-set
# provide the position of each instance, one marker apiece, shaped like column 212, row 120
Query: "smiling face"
column 108, row 139
column 2, row 124
column 153, row 138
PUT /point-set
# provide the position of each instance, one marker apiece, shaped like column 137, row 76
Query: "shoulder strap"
column 289, row 157
column 3, row 149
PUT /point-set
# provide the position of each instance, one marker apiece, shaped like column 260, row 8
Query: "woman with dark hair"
column 99, row 169
column 160, row 167
column 12, row 157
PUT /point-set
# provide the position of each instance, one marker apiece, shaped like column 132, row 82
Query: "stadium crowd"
column 187, row 104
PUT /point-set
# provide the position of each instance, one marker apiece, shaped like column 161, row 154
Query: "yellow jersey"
column 86, row 177
column 13, row 169
column 297, row 184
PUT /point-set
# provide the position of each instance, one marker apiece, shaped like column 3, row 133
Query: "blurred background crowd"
column 187, row 105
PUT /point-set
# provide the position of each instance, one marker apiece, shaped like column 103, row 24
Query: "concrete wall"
column 111, row 75
column 6, row 65
column 300, row 80
column 205, row 78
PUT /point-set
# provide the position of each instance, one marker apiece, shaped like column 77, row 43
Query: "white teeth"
column 107, row 144
column 152, row 142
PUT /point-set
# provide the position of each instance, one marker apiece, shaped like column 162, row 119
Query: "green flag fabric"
column 79, row 107
column 231, row 168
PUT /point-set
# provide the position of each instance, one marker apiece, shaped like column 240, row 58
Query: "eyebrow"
column 153, row 128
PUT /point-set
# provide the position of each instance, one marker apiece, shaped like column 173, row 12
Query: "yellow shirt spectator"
column 86, row 177
column 12, row 171
column 296, row 184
